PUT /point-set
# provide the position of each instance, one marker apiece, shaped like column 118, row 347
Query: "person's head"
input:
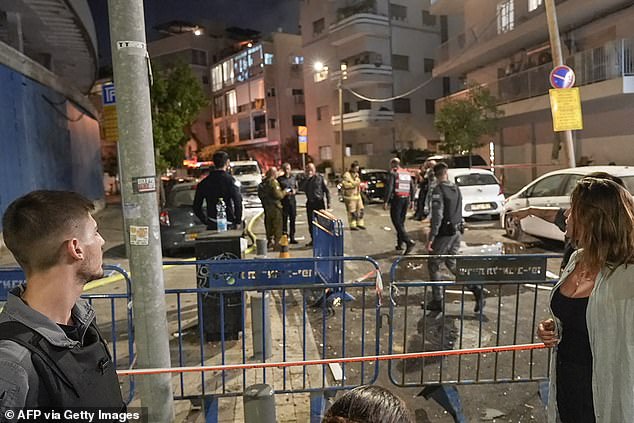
column 368, row 404
column 601, row 221
column 354, row 167
column 440, row 171
column 286, row 168
column 271, row 173
column 310, row 169
column 221, row 160
column 45, row 229
column 429, row 164
column 395, row 163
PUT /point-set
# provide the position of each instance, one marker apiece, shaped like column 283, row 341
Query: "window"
column 205, row 80
column 347, row 108
column 259, row 126
column 318, row 26
column 269, row 59
column 216, row 78
column 400, row 62
column 430, row 106
column 227, row 72
column 534, row 4
column 244, row 129
column 363, row 105
column 325, row 152
column 402, row 105
column 232, row 103
column 505, row 16
column 272, row 123
column 270, row 92
column 299, row 120
column 322, row 112
column 428, row 65
column 297, row 60
column 398, row 12
column 547, row 187
column 367, row 148
column 199, row 57
column 218, row 106
column 298, row 96
column 571, row 184
column 428, row 19
column 473, row 179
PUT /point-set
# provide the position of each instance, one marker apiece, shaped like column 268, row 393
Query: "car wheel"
column 512, row 228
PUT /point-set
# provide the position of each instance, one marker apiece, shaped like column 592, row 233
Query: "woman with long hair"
column 592, row 369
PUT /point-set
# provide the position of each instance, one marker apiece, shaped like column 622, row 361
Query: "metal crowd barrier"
column 117, row 328
column 517, row 289
column 304, row 325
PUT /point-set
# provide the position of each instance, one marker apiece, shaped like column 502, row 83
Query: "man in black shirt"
column 399, row 189
column 316, row 192
column 219, row 184
column 289, row 204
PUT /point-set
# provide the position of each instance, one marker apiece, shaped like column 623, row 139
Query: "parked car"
column 372, row 185
column 249, row 175
column 552, row 190
column 482, row 193
column 179, row 226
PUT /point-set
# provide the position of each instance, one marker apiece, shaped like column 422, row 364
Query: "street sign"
column 9, row 279
column 500, row 269
column 565, row 105
column 562, row 77
column 109, row 122
column 302, row 139
column 302, row 131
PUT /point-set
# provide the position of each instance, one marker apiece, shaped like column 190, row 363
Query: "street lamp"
column 343, row 74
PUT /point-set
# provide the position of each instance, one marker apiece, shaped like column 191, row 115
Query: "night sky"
column 262, row 15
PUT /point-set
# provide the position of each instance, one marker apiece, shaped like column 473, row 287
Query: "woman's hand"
column 546, row 332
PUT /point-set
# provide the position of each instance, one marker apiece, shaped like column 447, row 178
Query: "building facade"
column 258, row 100
column 504, row 46
column 378, row 49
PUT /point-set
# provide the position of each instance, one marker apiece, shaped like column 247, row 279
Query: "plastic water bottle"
column 221, row 216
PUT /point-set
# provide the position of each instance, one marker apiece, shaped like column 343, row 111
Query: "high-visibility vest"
column 403, row 183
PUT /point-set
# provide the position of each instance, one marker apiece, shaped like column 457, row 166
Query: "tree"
column 177, row 98
column 464, row 121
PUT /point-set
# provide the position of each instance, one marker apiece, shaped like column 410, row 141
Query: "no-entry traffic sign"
column 562, row 77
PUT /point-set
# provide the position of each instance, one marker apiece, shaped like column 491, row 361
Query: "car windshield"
column 463, row 161
column 181, row 197
column 245, row 170
column 475, row 179
column 374, row 176
column 629, row 183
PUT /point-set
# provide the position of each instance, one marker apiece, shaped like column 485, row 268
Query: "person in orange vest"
column 398, row 193
column 351, row 189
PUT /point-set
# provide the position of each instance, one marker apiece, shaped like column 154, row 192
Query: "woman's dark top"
column 574, row 346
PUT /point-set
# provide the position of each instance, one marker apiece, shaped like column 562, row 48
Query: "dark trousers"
column 311, row 207
column 446, row 245
column 398, row 212
column 289, row 212
column 574, row 392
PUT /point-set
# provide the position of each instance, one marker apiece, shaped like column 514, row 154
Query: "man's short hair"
column 354, row 164
column 220, row 158
column 37, row 224
column 395, row 162
column 440, row 169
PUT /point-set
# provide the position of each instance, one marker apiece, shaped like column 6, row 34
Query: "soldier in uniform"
column 399, row 190
column 351, row 189
column 272, row 194
column 445, row 235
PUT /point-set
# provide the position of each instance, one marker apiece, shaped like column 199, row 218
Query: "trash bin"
column 219, row 246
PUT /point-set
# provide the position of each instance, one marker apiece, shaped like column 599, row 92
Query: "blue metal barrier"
column 517, row 287
column 300, row 332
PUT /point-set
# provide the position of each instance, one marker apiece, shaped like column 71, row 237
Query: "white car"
column 481, row 191
column 552, row 190
column 249, row 175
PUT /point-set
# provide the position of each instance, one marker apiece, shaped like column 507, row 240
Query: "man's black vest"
column 81, row 377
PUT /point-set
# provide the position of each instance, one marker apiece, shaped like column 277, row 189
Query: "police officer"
column 288, row 183
column 351, row 189
column 398, row 192
column 272, row 195
column 219, row 184
column 445, row 235
column 317, row 196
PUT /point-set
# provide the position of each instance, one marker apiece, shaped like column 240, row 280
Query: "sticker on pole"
column 139, row 235
column 562, row 77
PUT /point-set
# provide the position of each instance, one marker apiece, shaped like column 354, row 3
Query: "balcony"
column 447, row 7
column 359, row 25
column 480, row 45
column 364, row 119
column 365, row 75
column 604, row 71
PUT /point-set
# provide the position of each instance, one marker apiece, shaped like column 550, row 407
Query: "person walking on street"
column 288, row 183
column 398, row 192
column 51, row 353
column 317, row 196
column 445, row 235
column 427, row 184
column 351, row 189
column 272, row 195
column 219, row 184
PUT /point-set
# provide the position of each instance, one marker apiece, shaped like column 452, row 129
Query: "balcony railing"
column 610, row 61
column 363, row 6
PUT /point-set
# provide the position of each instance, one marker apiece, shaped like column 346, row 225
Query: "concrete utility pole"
column 343, row 74
column 139, row 201
column 558, row 60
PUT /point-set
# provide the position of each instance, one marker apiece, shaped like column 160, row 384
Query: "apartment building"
column 504, row 45
column 378, row 49
column 258, row 100
column 199, row 46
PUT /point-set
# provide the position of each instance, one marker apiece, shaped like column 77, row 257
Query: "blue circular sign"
column 562, row 77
